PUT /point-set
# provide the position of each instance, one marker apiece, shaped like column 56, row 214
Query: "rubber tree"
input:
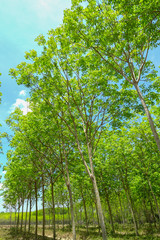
column 61, row 80
column 121, row 161
column 40, row 144
column 120, row 34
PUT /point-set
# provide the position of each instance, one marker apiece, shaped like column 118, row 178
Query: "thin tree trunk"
column 154, row 197
column 80, row 217
column 30, row 209
column 126, row 188
column 152, row 211
column 110, row 211
column 10, row 216
column 96, row 191
column 153, row 128
column 132, row 210
column 69, row 214
column 71, row 209
column 92, row 211
column 26, row 216
column 93, row 179
column 49, row 219
column 85, row 209
column 53, row 210
column 43, row 231
column 36, row 228
column 145, row 211
column 70, row 198
column 58, row 220
column 76, row 215
column 99, row 208
column 22, row 215
column 123, row 221
column 99, row 227
column 18, row 216
column 15, row 216
column 63, row 215
column 93, row 219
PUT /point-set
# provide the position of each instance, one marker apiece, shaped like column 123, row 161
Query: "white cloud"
column 47, row 13
column 45, row 7
column 22, row 104
column 22, row 93
column 4, row 172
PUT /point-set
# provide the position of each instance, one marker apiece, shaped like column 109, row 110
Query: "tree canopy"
column 93, row 121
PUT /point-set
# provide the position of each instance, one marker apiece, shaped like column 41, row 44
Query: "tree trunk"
column 68, row 213
column 10, row 216
column 30, row 209
column 72, row 210
column 22, row 214
column 80, row 217
column 129, row 199
column 18, row 215
column 123, row 221
column 154, row 131
column 63, row 215
column 49, row 219
column 26, row 216
column 152, row 211
column 132, row 209
column 93, row 219
column 146, row 212
column 110, row 211
column 99, row 227
column 96, row 191
column 99, row 208
column 76, row 215
column 154, row 197
column 71, row 199
column 15, row 216
column 85, row 209
column 58, row 214
column 36, row 228
column 53, row 210
column 43, row 231
column 93, row 180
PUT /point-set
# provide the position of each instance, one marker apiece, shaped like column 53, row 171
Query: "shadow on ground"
column 12, row 234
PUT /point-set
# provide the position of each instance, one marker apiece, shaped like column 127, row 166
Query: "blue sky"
column 21, row 21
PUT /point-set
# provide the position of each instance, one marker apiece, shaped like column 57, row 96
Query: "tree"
column 71, row 98
column 120, row 34
column 62, row 81
column 36, row 139
column 82, row 90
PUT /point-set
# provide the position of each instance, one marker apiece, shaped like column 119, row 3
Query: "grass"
column 123, row 232
column 5, row 217
column 7, row 233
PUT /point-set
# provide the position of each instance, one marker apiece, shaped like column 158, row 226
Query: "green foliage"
column 86, row 127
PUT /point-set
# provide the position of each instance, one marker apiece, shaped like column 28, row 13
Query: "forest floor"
column 7, row 233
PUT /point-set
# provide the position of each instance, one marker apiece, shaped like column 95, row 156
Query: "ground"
column 7, row 233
